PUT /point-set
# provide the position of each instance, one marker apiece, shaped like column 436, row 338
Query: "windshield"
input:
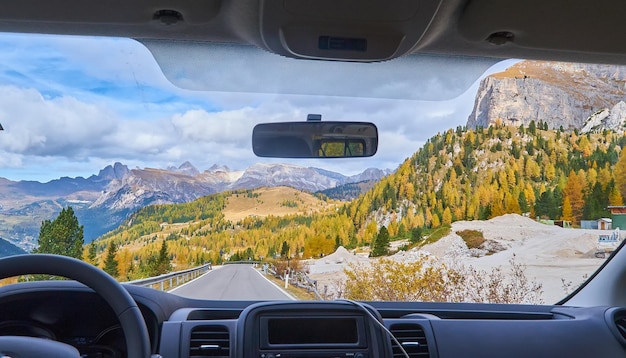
column 493, row 182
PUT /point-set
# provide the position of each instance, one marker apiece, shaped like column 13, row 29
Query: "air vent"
column 412, row 338
column 209, row 341
column 620, row 323
column 616, row 318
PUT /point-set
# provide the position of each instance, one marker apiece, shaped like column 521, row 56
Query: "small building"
column 605, row 224
column 600, row 224
column 589, row 224
column 618, row 216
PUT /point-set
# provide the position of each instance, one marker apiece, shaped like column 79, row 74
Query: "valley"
column 103, row 201
column 516, row 160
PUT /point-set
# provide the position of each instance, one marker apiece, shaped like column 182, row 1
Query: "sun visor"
column 349, row 30
column 240, row 68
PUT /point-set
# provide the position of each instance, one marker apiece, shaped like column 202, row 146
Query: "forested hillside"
column 486, row 172
column 462, row 174
column 199, row 231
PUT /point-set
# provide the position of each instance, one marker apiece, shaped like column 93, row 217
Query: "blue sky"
column 72, row 105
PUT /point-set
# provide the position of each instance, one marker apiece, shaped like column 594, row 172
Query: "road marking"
column 188, row 282
column 275, row 285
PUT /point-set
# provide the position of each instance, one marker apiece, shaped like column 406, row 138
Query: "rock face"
column 613, row 119
column 561, row 94
column 117, row 171
column 368, row 175
column 141, row 187
column 185, row 168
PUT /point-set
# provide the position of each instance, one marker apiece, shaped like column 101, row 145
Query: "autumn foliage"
column 434, row 281
column 461, row 174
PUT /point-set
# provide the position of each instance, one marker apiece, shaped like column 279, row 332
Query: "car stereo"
column 306, row 329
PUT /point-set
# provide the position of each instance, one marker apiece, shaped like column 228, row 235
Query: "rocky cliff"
column 561, row 94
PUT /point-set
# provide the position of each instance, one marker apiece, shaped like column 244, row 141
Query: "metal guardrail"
column 249, row 262
column 299, row 279
column 172, row 279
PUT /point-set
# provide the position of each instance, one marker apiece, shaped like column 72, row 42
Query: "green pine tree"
column 61, row 236
column 110, row 263
column 337, row 242
column 416, row 234
column 381, row 243
column 163, row 261
column 91, row 254
column 284, row 251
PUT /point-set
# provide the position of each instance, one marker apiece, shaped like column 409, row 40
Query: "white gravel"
column 550, row 253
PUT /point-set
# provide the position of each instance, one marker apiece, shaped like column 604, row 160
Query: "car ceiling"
column 568, row 30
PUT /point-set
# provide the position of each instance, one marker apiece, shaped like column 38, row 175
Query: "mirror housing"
column 315, row 139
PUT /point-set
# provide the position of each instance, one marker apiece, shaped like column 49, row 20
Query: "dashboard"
column 68, row 312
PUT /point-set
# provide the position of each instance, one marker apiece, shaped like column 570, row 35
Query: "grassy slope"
column 272, row 201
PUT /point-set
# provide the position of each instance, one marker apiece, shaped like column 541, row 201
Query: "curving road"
column 232, row 282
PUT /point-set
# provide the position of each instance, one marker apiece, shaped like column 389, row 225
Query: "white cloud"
column 227, row 126
column 67, row 129
column 147, row 122
column 35, row 125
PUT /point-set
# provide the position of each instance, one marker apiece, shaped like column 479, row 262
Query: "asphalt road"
column 231, row 282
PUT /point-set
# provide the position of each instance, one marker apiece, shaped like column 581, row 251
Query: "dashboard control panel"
column 320, row 329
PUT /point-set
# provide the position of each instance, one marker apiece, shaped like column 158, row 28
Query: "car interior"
column 92, row 315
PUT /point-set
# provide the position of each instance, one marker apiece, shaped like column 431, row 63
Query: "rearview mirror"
column 314, row 139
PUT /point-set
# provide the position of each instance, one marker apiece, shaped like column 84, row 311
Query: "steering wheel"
column 129, row 315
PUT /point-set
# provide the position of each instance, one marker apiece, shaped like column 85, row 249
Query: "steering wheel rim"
column 122, row 303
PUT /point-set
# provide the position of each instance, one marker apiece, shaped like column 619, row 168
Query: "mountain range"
column 567, row 97
column 105, row 200
column 458, row 175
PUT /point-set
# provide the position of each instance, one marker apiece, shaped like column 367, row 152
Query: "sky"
column 72, row 105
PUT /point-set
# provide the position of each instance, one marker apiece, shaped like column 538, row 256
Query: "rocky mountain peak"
column 219, row 168
column 370, row 174
column 561, row 94
column 186, row 168
column 116, row 171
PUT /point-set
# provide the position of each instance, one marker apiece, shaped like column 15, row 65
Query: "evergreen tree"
column 92, row 254
column 523, row 203
column 110, row 263
column 163, row 264
column 381, row 243
column 416, row 234
column 532, row 128
column 61, row 236
column 595, row 203
column 544, row 207
column 284, row 251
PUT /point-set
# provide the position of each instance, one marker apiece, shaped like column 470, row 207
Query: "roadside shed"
column 605, row 224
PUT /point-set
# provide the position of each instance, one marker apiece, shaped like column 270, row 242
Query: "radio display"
column 312, row 330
